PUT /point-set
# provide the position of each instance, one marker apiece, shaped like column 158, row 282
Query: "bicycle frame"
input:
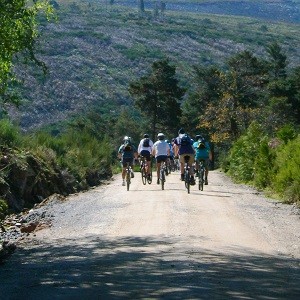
column 162, row 174
column 187, row 173
column 143, row 170
column 128, row 175
column 144, row 173
column 201, row 175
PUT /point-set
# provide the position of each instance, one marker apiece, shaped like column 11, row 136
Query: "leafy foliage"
column 287, row 177
column 158, row 96
column 273, row 165
column 3, row 209
column 18, row 33
column 244, row 153
column 9, row 134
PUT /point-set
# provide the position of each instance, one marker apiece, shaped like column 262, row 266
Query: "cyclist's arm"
column 153, row 151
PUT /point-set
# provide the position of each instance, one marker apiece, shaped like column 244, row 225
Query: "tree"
column 158, row 96
column 207, row 89
column 141, row 6
column 226, row 102
column 18, row 33
column 278, row 61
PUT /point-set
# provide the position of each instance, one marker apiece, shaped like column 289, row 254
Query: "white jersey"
column 141, row 147
column 161, row 148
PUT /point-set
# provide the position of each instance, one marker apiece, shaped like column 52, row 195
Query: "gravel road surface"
column 226, row 242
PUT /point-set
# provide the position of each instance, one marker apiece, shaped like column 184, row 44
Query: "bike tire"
column 201, row 181
column 150, row 179
column 187, row 181
column 128, row 180
column 144, row 176
column 162, row 180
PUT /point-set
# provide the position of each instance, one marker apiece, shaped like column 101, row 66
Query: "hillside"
column 94, row 50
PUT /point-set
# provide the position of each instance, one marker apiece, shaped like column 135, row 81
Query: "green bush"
column 3, row 209
column 264, row 165
column 9, row 133
column 286, row 133
column 85, row 154
column 287, row 179
column 244, row 153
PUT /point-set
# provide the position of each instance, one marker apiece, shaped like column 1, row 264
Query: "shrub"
column 244, row 153
column 286, row 133
column 9, row 134
column 3, row 209
column 264, row 165
column 287, row 179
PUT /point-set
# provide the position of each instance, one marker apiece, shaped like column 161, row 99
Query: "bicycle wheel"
column 187, row 180
column 201, row 179
column 149, row 179
column 128, row 179
column 144, row 175
column 162, row 178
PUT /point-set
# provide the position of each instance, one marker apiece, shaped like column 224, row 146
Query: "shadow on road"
column 135, row 268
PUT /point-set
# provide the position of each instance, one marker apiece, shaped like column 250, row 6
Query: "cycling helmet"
column 181, row 131
column 198, row 137
column 161, row 136
column 146, row 135
column 126, row 138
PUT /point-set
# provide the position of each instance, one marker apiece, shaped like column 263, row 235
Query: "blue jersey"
column 127, row 153
column 201, row 153
column 184, row 149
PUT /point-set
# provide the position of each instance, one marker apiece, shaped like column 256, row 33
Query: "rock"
column 6, row 249
column 28, row 228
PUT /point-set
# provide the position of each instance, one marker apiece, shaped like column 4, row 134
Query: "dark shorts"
column 126, row 160
column 146, row 154
column 161, row 158
column 205, row 162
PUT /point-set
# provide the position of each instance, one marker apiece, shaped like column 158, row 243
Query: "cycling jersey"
column 141, row 147
column 161, row 148
column 202, row 153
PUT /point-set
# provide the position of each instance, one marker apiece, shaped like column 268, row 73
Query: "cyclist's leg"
column 206, row 170
column 191, row 165
column 123, row 162
column 158, row 171
column 181, row 161
column 197, row 164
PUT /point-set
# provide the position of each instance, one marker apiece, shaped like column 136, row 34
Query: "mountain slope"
column 94, row 50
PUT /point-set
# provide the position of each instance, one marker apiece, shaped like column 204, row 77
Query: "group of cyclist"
column 163, row 150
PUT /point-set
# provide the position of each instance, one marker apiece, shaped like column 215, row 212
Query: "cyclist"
column 145, row 150
column 171, row 156
column 127, row 152
column 203, row 152
column 161, row 151
column 184, row 147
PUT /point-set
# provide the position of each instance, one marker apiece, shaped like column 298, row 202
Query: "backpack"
column 127, row 146
column 185, row 140
column 146, row 142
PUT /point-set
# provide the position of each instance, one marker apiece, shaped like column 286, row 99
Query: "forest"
column 246, row 104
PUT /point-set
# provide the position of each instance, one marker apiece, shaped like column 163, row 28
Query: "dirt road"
column 227, row 242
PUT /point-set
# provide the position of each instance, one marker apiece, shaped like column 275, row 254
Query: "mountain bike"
column 128, row 175
column 200, row 176
column 187, row 182
column 162, row 174
column 176, row 164
column 168, row 166
column 145, row 177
